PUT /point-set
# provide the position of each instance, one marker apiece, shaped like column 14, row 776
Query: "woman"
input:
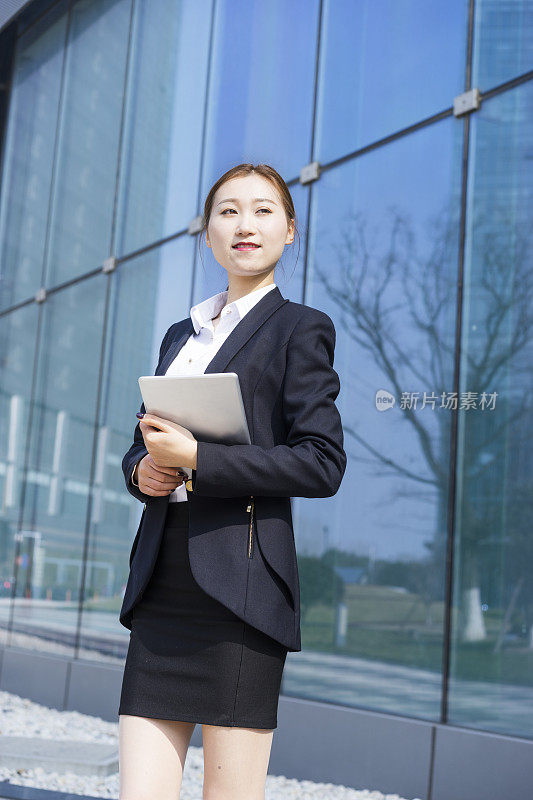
column 212, row 598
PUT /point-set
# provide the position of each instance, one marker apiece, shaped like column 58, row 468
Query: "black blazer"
column 241, row 539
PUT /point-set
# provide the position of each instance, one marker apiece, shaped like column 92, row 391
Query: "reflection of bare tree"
column 401, row 309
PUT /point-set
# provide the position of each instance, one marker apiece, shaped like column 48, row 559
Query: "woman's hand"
column 157, row 481
column 167, row 442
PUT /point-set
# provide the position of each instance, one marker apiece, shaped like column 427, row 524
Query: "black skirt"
column 189, row 657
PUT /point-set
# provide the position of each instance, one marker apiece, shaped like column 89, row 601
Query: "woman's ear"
column 291, row 233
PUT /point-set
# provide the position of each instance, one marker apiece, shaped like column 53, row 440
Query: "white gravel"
column 22, row 717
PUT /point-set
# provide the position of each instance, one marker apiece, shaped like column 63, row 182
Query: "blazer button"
column 188, row 485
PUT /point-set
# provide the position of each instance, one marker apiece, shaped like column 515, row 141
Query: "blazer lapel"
column 238, row 337
column 174, row 347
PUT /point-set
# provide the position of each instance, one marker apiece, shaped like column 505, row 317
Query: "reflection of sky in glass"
column 385, row 66
column 28, row 156
column 174, row 278
column 87, row 148
column 164, row 120
column 261, row 92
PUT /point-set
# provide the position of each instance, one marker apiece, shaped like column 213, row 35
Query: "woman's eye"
column 259, row 209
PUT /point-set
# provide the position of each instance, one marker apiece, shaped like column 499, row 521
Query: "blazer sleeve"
column 138, row 449
column 312, row 462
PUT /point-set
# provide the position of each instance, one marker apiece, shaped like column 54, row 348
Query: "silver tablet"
column 210, row 405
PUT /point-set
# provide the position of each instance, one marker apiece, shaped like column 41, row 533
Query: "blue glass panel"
column 383, row 264
column 29, row 156
column 260, row 100
column 165, row 108
column 491, row 683
column 503, row 41
column 55, row 495
column 385, row 66
column 84, row 185
column 18, row 338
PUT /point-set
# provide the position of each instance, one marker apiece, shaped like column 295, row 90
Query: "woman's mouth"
column 246, row 246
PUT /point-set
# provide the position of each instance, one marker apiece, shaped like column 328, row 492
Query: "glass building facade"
column 415, row 236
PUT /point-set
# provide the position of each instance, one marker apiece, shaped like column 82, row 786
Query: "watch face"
column 188, row 485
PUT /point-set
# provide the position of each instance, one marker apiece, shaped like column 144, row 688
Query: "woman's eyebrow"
column 255, row 200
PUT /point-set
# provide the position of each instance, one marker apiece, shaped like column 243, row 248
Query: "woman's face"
column 248, row 209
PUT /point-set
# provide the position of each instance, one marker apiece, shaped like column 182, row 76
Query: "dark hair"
column 242, row 170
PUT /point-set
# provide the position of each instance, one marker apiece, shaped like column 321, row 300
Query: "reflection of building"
column 31, row 559
column 419, row 613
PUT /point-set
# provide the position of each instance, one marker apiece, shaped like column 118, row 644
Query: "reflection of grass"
column 105, row 604
column 381, row 605
column 513, row 664
column 391, row 627
column 389, row 646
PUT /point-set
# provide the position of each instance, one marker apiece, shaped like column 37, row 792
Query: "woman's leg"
column 235, row 762
column 152, row 756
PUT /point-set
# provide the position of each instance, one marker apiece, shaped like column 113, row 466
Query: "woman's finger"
column 155, row 493
column 167, row 470
column 158, row 488
column 151, row 421
column 165, row 482
column 174, row 471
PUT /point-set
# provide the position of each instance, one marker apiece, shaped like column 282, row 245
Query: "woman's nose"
column 245, row 226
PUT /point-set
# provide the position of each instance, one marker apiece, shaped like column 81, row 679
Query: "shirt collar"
column 203, row 312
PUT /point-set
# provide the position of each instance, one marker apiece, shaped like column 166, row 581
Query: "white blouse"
column 201, row 346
